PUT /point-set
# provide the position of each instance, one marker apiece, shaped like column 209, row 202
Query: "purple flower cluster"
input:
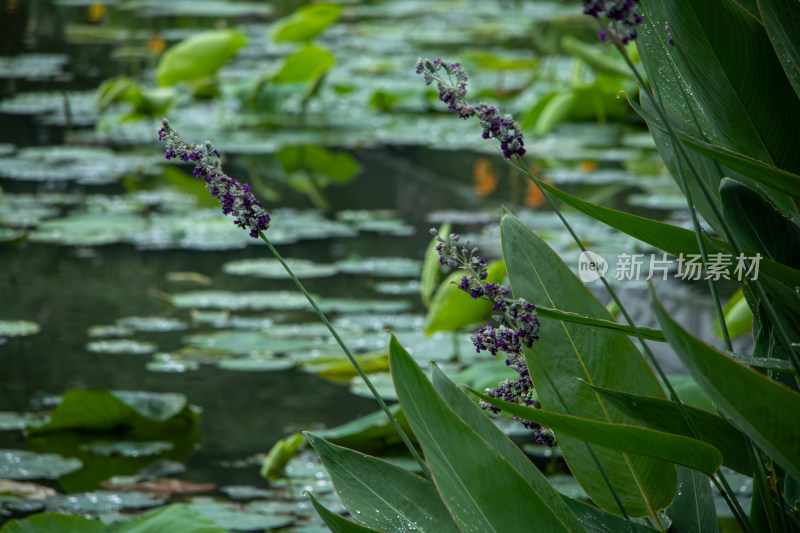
column 622, row 18
column 518, row 325
column 453, row 92
column 666, row 31
column 235, row 198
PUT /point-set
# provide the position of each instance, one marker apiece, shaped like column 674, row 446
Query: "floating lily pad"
column 121, row 346
column 18, row 328
column 48, row 522
column 176, row 517
column 392, row 267
column 167, row 363
column 271, row 268
column 23, row 464
column 255, row 364
column 152, row 323
column 12, row 421
column 109, row 331
column 398, row 288
column 245, row 492
column 33, row 66
column 341, row 305
column 237, row 518
column 382, row 222
column 127, row 449
column 88, row 166
column 381, row 381
column 101, row 501
column 236, row 301
column 100, row 409
column 380, row 322
column 248, row 342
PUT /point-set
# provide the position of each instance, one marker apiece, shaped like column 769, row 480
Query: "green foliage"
column 101, row 409
column 566, row 351
column 381, row 495
column 769, row 413
column 307, row 65
column 453, row 309
column 279, row 456
column 53, row 522
column 336, row 523
column 693, row 510
column 471, row 475
column 667, row 447
column 199, row 56
column 177, row 517
column 306, row 23
column 738, row 316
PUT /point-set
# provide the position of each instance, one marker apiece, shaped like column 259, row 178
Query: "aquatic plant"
column 621, row 433
column 722, row 103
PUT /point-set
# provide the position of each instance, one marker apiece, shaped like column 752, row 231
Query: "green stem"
column 351, row 357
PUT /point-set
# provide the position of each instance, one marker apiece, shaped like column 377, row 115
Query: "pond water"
column 137, row 283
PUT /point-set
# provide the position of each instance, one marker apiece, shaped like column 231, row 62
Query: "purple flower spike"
column 453, row 91
column 515, row 326
column 621, row 15
column 234, row 198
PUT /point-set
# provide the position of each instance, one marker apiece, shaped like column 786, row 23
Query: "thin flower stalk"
column 236, row 199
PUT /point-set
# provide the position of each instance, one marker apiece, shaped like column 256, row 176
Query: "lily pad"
column 237, row 518
column 392, row 267
column 12, row 421
column 101, row 501
column 248, row 342
column 121, row 346
column 152, row 323
column 255, row 364
column 236, row 301
column 109, row 331
column 48, row 522
column 167, row 363
column 342, row 305
column 101, row 409
column 127, row 449
column 272, row 269
column 398, row 288
column 18, row 328
column 23, row 464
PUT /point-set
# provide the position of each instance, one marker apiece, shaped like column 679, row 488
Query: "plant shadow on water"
column 136, row 284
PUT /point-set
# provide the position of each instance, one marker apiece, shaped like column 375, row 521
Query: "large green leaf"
column 755, row 170
column 666, row 416
column 381, row 495
column 726, row 58
column 671, row 239
column 757, row 225
column 766, row 411
column 101, row 409
column 473, row 416
column 199, row 56
column 306, row 23
column 306, row 65
column 453, row 309
column 591, row 518
column 693, row 510
column 782, row 18
column 639, row 440
column 177, row 517
column 482, row 490
column 336, row 523
column 53, row 523
column 567, row 351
